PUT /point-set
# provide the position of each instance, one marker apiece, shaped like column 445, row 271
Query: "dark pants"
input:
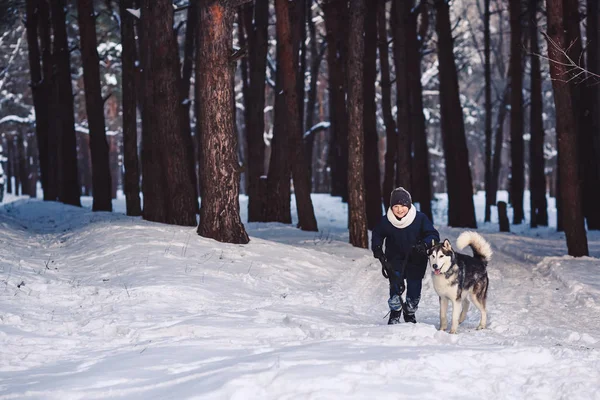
column 413, row 295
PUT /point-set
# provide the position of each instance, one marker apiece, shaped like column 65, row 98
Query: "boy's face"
column 399, row 211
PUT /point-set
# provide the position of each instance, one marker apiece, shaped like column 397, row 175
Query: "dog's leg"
column 481, row 306
column 443, row 311
column 479, row 299
column 465, row 309
column 456, row 309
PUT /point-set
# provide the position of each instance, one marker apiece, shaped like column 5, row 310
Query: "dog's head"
column 441, row 257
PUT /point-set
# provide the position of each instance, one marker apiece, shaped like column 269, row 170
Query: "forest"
column 173, row 102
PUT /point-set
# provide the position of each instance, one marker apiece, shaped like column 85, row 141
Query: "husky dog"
column 458, row 277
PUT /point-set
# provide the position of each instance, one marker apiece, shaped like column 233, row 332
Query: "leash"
column 388, row 273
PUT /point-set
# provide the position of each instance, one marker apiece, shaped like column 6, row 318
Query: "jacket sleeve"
column 378, row 235
column 428, row 232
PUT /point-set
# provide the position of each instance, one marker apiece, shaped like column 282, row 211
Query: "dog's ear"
column 447, row 245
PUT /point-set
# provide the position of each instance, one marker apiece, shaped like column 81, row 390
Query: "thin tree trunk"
column 593, row 65
column 488, row 113
column 371, row 138
column 287, row 68
column 386, row 105
column 131, row 184
column 498, row 142
column 356, row 92
column 220, row 177
column 421, row 179
column 566, row 130
column 32, row 166
column 400, row 25
column 461, row 211
column 537, row 179
column 22, row 160
column 9, row 164
column 69, row 192
column 517, row 146
column 101, row 179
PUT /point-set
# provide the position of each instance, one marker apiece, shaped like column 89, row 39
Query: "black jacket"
column 399, row 241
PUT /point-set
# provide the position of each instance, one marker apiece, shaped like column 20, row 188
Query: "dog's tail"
column 481, row 248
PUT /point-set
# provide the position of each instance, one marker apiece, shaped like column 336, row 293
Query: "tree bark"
column 356, row 92
column 499, row 141
column 220, row 177
column 287, row 68
column 566, row 130
column 386, row 105
column 517, row 146
column 372, row 178
column 101, row 179
column 593, row 64
column 537, row 178
column 69, row 192
column 166, row 133
column 461, row 211
column 131, row 184
column 488, row 112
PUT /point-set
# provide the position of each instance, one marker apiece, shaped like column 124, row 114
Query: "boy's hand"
column 378, row 253
column 421, row 247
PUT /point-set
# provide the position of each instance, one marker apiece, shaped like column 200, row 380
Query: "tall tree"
column 461, row 211
column 356, row 188
column 386, row 104
column 537, row 179
column 220, row 177
column 131, row 183
column 288, row 70
column 69, row 192
column 593, row 63
column 517, row 145
column 488, row 111
column 101, row 179
column 166, row 135
column 371, row 138
column 566, row 131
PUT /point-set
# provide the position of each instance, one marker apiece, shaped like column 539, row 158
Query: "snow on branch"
column 318, row 127
column 18, row 120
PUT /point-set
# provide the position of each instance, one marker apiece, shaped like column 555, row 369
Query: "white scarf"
column 405, row 221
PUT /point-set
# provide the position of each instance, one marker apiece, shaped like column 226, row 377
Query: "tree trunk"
column 517, row 146
column 9, row 165
column 335, row 12
column 461, row 211
column 39, row 88
column 101, row 179
column 356, row 93
column 488, row 113
column 566, row 130
column 131, row 184
column 22, row 160
column 582, row 106
column 257, row 32
column 593, row 64
column 400, row 24
column 498, row 142
column 537, row 178
column 287, row 68
column 220, row 177
column 166, row 134
column 421, row 180
column 69, row 192
column 386, row 105
column 372, row 184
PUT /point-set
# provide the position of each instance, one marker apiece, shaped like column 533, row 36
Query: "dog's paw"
column 453, row 331
column 480, row 327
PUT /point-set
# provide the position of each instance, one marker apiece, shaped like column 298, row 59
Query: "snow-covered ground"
column 101, row 305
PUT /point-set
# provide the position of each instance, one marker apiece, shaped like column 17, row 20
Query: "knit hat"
column 400, row 196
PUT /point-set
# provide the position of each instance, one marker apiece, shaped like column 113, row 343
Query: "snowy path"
column 107, row 306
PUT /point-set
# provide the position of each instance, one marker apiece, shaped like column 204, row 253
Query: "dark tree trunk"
column 50, row 144
column 537, row 178
column 582, row 103
column 131, row 184
column 9, row 165
column 356, row 93
column 22, row 160
column 258, row 45
column 400, row 25
column 287, row 68
column 101, row 179
column 32, row 166
column 335, row 12
column 489, row 196
column 498, row 142
column 461, row 211
column 69, row 192
column 517, row 146
column 372, row 185
column 39, row 88
column 593, row 64
column 386, row 105
column 166, row 133
column 220, row 177
column 421, row 180
column 566, row 130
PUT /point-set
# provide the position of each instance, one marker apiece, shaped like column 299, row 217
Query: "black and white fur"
column 459, row 278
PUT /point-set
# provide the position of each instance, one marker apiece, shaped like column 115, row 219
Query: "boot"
column 410, row 317
column 394, row 317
